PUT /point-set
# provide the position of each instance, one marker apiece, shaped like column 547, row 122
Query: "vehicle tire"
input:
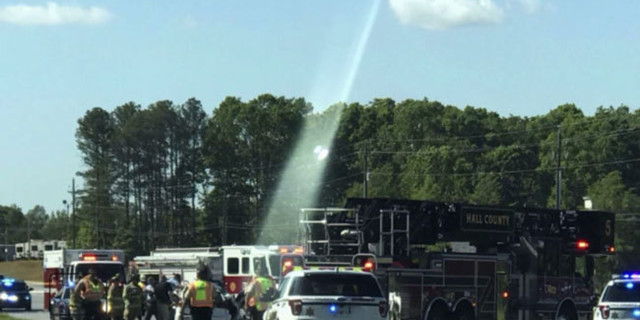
column 464, row 314
column 566, row 314
column 438, row 313
column 28, row 307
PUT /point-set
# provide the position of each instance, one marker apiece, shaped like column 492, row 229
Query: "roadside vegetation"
column 29, row 270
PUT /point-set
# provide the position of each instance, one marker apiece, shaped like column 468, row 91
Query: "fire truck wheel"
column 437, row 313
column 566, row 314
column 464, row 314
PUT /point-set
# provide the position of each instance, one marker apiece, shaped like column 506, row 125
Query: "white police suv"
column 620, row 299
column 328, row 294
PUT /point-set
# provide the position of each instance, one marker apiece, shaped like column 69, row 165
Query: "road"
column 37, row 305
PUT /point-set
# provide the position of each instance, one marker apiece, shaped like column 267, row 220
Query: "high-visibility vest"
column 264, row 284
column 92, row 292
column 114, row 298
column 133, row 297
column 74, row 300
column 201, row 294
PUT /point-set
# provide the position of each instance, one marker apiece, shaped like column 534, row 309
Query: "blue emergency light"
column 333, row 308
column 629, row 285
column 8, row 282
column 631, row 275
column 636, row 313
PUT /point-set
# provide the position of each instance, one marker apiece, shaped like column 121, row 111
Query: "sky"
column 60, row 58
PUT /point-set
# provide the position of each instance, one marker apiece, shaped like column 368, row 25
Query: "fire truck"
column 61, row 267
column 233, row 266
column 442, row 260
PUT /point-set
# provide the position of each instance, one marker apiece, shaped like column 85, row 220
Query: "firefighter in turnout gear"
column 258, row 291
column 91, row 291
column 133, row 299
column 201, row 296
column 75, row 302
column 114, row 299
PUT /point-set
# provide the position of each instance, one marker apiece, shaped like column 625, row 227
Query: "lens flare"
column 301, row 181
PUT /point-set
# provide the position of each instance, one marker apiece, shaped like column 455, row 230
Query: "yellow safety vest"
column 92, row 292
column 201, row 294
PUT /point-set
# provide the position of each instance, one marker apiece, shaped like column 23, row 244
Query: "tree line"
column 171, row 174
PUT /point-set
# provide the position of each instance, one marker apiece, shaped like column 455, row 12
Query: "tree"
column 610, row 193
column 94, row 134
column 36, row 220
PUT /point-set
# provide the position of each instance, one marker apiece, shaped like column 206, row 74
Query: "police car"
column 620, row 299
column 328, row 294
column 14, row 293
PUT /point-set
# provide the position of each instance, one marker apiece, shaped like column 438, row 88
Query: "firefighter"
column 91, row 291
column 114, row 299
column 258, row 291
column 75, row 302
column 201, row 296
column 133, row 299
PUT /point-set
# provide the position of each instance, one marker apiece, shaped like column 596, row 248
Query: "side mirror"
column 30, row 289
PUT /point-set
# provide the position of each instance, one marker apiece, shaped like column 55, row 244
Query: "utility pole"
column 73, row 212
column 365, row 176
column 559, row 170
column 225, row 214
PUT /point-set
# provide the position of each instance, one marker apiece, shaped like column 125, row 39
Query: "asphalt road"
column 37, row 305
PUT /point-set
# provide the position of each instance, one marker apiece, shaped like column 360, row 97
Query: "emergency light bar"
column 633, row 275
column 89, row 257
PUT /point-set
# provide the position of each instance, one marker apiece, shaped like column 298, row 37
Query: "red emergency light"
column 582, row 245
column 369, row 265
column 89, row 257
column 612, row 249
column 287, row 266
column 505, row 294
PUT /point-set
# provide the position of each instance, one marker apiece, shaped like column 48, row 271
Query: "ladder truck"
column 442, row 260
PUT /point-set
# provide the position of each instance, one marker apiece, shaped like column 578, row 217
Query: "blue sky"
column 520, row 57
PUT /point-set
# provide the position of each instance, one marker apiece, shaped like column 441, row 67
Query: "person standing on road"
column 114, row 299
column 162, row 292
column 257, row 291
column 150, row 299
column 91, row 291
column 75, row 302
column 133, row 299
column 201, row 296
column 176, row 294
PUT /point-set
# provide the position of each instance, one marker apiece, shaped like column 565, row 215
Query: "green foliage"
column 146, row 168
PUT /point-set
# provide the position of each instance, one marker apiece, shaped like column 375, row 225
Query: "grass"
column 30, row 270
column 4, row 316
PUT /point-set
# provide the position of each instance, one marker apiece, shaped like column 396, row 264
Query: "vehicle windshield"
column 332, row 284
column 14, row 286
column 105, row 271
column 274, row 264
column 619, row 292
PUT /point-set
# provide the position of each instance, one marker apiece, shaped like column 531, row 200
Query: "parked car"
column 620, row 299
column 328, row 294
column 14, row 293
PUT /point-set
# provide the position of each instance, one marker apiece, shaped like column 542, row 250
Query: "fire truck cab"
column 442, row 260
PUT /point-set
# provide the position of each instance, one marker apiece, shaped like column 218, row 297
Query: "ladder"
column 330, row 231
column 393, row 223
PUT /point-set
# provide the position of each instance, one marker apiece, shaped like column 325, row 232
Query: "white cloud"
column 52, row 14
column 443, row 14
